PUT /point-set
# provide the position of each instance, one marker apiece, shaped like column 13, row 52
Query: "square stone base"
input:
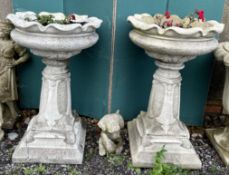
column 222, row 153
column 143, row 154
column 50, row 149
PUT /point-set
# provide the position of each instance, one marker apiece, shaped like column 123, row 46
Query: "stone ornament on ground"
column 11, row 55
column 54, row 135
column 171, row 46
column 110, row 141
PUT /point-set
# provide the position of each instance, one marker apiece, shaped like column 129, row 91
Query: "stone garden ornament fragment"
column 171, row 41
column 54, row 135
column 110, row 141
column 220, row 137
column 11, row 55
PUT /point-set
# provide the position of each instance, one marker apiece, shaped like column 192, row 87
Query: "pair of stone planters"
column 53, row 136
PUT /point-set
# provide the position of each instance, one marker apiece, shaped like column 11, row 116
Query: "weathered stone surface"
column 12, row 136
column 52, row 146
column 160, row 125
column 54, row 135
column 110, row 140
column 144, row 146
column 220, row 133
column 225, row 35
column 5, row 8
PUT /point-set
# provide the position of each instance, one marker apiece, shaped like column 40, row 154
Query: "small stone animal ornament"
column 110, row 140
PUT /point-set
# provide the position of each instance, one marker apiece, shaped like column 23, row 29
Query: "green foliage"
column 72, row 170
column 49, row 19
column 161, row 168
column 40, row 169
column 115, row 159
column 28, row 171
column 45, row 19
column 213, row 169
column 90, row 154
column 10, row 151
column 135, row 170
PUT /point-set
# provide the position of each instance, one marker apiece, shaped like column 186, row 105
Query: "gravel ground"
column 109, row 165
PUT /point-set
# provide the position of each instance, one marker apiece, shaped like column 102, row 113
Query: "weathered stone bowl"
column 59, row 39
column 139, row 21
column 173, row 41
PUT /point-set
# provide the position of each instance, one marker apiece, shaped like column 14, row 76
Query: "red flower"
column 168, row 23
column 71, row 17
column 167, row 14
column 200, row 13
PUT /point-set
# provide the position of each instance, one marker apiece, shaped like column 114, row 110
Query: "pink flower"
column 72, row 17
column 200, row 13
column 168, row 23
column 167, row 14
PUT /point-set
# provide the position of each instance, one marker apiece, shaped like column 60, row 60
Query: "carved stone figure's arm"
column 23, row 55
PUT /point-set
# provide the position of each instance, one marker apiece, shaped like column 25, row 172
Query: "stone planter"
column 54, row 135
column 220, row 137
column 161, row 124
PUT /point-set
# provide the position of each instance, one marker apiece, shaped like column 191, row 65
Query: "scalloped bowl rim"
column 141, row 25
column 23, row 24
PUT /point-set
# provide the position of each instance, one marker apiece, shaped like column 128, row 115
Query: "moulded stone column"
column 220, row 137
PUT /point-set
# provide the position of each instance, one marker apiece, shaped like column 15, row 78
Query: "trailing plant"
column 160, row 168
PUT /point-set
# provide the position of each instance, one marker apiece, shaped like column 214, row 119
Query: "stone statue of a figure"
column 11, row 55
column 220, row 136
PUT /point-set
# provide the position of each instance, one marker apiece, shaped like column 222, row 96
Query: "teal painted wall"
column 90, row 70
column 133, row 70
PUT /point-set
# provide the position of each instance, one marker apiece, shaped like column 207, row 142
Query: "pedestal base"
column 51, row 148
column 223, row 154
column 143, row 147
